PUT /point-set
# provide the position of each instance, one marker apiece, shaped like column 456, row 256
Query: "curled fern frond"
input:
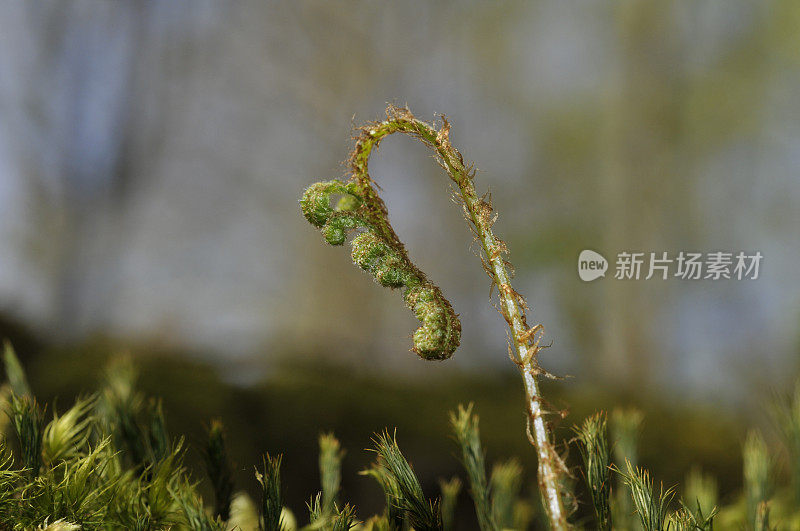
column 377, row 249
column 340, row 208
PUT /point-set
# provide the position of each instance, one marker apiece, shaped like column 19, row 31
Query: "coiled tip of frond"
column 377, row 249
column 440, row 333
column 316, row 201
column 386, row 261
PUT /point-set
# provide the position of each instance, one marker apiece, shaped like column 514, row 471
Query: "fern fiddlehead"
column 379, row 251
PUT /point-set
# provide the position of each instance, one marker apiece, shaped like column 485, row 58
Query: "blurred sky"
column 152, row 155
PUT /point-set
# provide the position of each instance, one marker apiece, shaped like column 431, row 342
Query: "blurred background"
column 152, row 155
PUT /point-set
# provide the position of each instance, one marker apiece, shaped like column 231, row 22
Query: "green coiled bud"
column 336, row 229
column 378, row 251
column 441, row 329
column 440, row 333
column 316, row 201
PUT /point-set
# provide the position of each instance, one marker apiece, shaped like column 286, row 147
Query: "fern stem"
column 479, row 214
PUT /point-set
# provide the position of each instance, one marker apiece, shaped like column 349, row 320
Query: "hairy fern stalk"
column 377, row 249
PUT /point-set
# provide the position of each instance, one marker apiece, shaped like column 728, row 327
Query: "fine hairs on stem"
column 377, row 249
